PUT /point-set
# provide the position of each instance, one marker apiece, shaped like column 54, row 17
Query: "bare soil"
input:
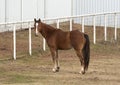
column 104, row 68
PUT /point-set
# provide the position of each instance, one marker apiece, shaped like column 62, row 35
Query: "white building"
column 25, row 10
column 98, row 6
column 17, row 10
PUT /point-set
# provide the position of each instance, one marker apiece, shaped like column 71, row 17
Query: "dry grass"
column 37, row 69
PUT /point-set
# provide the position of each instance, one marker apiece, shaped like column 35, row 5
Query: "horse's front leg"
column 55, row 60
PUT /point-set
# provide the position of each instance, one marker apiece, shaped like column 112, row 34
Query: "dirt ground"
column 104, row 68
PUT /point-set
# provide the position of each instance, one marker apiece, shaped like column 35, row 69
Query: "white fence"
column 71, row 19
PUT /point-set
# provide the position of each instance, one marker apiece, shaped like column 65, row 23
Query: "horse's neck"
column 47, row 30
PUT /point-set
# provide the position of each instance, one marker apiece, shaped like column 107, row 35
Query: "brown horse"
column 60, row 40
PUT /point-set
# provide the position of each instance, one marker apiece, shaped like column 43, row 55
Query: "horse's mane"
column 47, row 30
column 48, row 26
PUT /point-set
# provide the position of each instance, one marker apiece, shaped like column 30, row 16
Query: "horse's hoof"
column 58, row 68
column 82, row 72
column 55, row 70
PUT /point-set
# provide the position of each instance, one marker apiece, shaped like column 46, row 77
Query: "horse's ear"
column 39, row 20
column 34, row 19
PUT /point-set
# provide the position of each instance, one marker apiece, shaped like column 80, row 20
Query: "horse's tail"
column 86, row 52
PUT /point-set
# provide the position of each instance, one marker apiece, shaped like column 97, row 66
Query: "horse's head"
column 37, row 26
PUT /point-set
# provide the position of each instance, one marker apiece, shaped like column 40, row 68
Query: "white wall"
column 2, row 10
column 40, row 8
column 13, row 12
column 24, row 10
column 2, row 13
column 58, row 8
column 97, row 6
column 27, row 10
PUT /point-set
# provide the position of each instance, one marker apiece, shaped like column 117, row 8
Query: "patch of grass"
column 105, row 48
column 2, row 71
column 18, row 78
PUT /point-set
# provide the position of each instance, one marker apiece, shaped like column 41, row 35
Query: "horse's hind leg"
column 55, row 60
column 80, row 56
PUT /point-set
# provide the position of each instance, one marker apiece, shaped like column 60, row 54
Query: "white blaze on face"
column 36, row 31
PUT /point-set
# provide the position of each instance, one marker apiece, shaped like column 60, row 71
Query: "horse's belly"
column 64, row 46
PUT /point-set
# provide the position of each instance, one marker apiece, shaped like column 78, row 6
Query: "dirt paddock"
column 104, row 68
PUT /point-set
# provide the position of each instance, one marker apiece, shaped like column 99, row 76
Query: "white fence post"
column 14, row 42
column 44, row 43
column 83, row 24
column 58, row 24
column 30, row 41
column 71, row 24
column 94, row 31
column 115, row 26
column 105, row 28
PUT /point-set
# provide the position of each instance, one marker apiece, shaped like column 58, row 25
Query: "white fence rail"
column 58, row 21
